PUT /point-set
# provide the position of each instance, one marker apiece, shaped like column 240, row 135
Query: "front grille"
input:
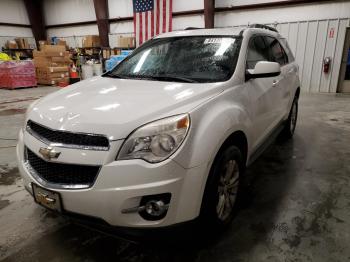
column 66, row 175
column 74, row 140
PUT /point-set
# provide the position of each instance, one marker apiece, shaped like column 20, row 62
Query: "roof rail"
column 263, row 27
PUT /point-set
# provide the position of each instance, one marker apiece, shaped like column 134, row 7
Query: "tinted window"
column 257, row 51
column 287, row 49
column 277, row 53
column 181, row 59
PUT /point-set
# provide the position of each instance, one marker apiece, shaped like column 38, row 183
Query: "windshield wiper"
column 173, row 77
column 109, row 74
column 157, row 77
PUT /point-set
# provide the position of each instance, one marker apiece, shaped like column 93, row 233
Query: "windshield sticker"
column 213, row 41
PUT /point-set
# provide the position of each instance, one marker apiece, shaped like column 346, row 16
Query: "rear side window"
column 277, row 53
column 287, row 49
column 257, row 51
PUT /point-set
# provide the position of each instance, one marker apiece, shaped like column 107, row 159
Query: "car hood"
column 115, row 107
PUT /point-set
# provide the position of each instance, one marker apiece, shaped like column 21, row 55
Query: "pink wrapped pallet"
column 16, row 74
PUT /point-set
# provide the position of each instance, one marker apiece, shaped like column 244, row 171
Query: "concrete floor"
column 297, row 207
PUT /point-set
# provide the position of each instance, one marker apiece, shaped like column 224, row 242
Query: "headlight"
column 29, row 109
column 156, row 141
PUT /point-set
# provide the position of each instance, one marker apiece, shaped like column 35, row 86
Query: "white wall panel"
column 343, row 24
column 122, row 28
column 301, row 46
column 318, row 56
column 15, row 31
column 329, row 52
column 13, row 11
column 285, row 14
column 309, row 56
column 68, row 11
column 186, row 5
column 180, row 23
column 293, row 37
column 120, row 8
column 223, row 3
column 73, row 31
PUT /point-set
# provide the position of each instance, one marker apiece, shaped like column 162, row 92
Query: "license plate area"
column 47, row 198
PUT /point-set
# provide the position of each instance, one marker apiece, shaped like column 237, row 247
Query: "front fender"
column 211, row 124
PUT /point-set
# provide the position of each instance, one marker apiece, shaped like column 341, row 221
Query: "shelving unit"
column 12, row 52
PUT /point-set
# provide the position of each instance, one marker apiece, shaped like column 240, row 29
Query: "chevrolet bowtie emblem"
column 49, row 153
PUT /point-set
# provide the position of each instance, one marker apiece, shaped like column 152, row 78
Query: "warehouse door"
column 344, row 83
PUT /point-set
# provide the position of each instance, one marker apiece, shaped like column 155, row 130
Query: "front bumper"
column 121, row 185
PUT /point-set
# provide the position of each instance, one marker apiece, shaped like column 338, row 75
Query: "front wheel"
column 289, row 128
column 222, row 189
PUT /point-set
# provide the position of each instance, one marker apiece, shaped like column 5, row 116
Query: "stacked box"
column 22, row 43
column 16, row 74
column 125, row 42
column 91, row 41
column 52, row 64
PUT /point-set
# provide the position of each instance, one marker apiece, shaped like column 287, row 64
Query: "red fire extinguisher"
column 326, row 64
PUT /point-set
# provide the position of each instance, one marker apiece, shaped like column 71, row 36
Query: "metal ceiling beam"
column 209, row 13
column 102, row 19
column 36, row 18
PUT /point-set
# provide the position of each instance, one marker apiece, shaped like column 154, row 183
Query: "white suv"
column 166, row 135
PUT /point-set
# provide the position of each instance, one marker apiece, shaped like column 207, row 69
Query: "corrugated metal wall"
column 311, row 42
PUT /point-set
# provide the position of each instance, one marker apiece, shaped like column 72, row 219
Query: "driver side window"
column 257, row 51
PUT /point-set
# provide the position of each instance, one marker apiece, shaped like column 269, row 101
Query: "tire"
column 289, row 128
column 220, row 200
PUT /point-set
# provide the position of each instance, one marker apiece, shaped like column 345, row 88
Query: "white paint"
column 68, row 11
column 13, row 11
column 122, row 28
column 285, row 14
column 120, row 8
column 73, row 31
column 124, row 8
column 14, row 31
column 180, row 23
column 224, row 3
column 183, row 5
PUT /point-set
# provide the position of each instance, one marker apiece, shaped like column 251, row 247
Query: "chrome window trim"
column 50, row 185
column 71, row 146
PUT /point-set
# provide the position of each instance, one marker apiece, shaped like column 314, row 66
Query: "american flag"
column 151, row 17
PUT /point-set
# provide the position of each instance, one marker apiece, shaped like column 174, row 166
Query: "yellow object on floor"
column 4, row 57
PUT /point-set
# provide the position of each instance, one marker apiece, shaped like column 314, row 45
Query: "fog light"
column 155, row 207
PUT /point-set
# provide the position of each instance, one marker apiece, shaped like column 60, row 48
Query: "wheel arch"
column 239, row 139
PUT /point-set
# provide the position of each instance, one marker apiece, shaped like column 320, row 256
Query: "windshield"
column 182, row 59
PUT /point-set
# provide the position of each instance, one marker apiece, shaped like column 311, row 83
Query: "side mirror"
column 263, row 69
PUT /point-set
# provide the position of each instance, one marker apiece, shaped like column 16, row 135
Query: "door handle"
column 275, row 82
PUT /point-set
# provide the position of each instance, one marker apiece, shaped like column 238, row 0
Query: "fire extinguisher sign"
column 331, row 33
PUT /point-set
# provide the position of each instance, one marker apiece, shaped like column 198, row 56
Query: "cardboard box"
column 125, row 42
column 62, row 42
column 52, row 81
column 50, row 53
column 44, row 73
column 61, row 59
column 11, row 44
column 106, row 53
column 91, row 41
column 53, row 48
column 56, row 69
column 22, row 43
column 45, row 62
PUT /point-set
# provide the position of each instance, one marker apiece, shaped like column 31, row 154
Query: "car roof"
column 228, row 31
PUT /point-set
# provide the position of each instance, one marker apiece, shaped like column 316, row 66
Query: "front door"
column 263, row 93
